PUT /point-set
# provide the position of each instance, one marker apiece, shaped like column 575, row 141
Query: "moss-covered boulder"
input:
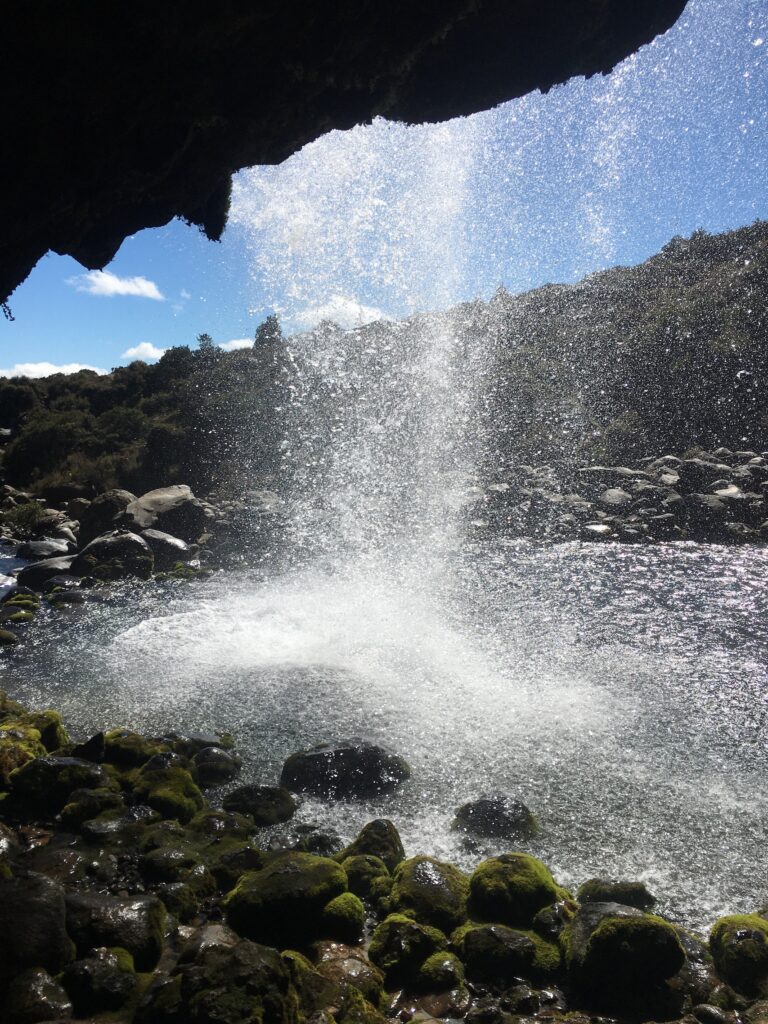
column 53, row 735
column 170, row 791
column 130, row 750
column 739, row 945
column 432, row 891
column 103, row 981
column 85, row 804
column 19, row 744
column 619, row 958
column 495, row 954
column 440, row 972
column 344, row 918
column 362, row 871
column 283, row 903
column 136, row 924
column 378, row 838
column 357, row 1010
column 43, row 786
column 315, row 991
column 608, row 890
column 400, row 946
column 267, row 805
column 511, row 889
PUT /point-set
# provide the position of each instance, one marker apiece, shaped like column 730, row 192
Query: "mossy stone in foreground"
column 512, row 888
column 440, row 973
column 34, row 996
column 357, row 1010
column 169, row 791
column 379, row 838
column 283, row 903
column 85, row 804
column 739, row 945
column 344, row 918
column 103, row 981
column 19, row 744
column 43, row 786
column 434, row 892
column 496, row 955
column 361, row 871
column 400, row 946
column 267, row 805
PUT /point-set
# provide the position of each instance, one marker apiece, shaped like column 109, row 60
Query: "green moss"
column 739, row 945
column 511, row 889
column 344, row 918
column 316, row 992
column 497, row 954
column 123, row 958
column 85, row 804
column 179, row 899
column 283, row 903
column 441, row 972
column 433, row 891
column 362, row 870
column 126, row 748
column 44, row 785
column 400, row 946
column 19, row 617
column 169, row 791
column 379, row 838
column 7, row 638
column 51, row 728
column 215, row 823
column 10, row 709
column 604, row 890
column 19, row 744
column 357, row 1010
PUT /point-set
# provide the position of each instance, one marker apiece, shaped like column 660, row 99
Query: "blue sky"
column 388, row 219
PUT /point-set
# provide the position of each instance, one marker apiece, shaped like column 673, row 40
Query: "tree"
column 269, row 332
column 205, row 342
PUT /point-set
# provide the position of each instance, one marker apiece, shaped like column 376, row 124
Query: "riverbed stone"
column 167, row 549
column 346, row 965
column 379, row 838
column 115, row 555
column 43, row 786
column 608, row 890
column 171, row 791
column 36, row 574
column 267, row 805
column 105, row 980
column 512, row 888
column 32, row 925
column 34, row 996
column 46, row 547
column 283, row 903
column 496, row 817
column 214, row 766
column 400, row 946
column 135, row 923
column 362, row 871
column 344, row 918
column 353, row 768
column 496, row 954
column 432, row 891
column 739, row 945
column 174, row 510
column 100, row 515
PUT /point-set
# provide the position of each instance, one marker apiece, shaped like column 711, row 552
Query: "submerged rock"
column 267, row 805
column 498, row 817
column 348, row 769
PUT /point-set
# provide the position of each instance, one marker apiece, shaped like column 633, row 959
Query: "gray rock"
column 115, row 555
column 36, row 574
column 267, row 805
column 214, row 766
column 168, row 550
column 173, row 510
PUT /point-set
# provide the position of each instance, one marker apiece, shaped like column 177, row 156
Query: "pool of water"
column 621, row 692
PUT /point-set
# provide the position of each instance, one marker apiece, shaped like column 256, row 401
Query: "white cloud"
column 103, row 282
column 185, row 294
column 236, row 343
column 46, row 369
column 343, row 310
column 145, row 350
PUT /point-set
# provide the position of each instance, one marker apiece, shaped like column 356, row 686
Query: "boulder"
column 103, row 981
column 283, row 903
column 214, row 766
column 400, row 946
column 37, row 574
column 362, row 871
column 115, row 555
column 432, row 891
column 35, row 996
column 43, row 786
column 267, row 805
column 347, row 966
column 46, row 547
column 608, row 890
column 174, row 510
column 354, row 768
column 136, row 924
column 512, row 888
column 739, row 945
column 168, row 789
column 100, row 515
column 32, row 925
column 496, row 955
column 496, row 817
column 167, row 549
column 344, row 918
column 378, row 838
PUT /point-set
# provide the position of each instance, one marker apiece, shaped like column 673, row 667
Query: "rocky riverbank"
column 127, row 894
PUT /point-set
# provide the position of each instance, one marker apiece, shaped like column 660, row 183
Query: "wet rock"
column 173, row 510
column 135, row 924
column 434, row 892
column 607, row 890
column 85, row 804
column 379, row 838
column 619, row 958
column 214, row 766
column 93, row 749
column 103, row 981
column 37, row 574
column 115, row 555
column 498, row 817
column 362, row 870
column 44, row 786
column 167, row 549
column 42, row 941
column 34, row 996
column 400, row 946
column 441, row 972
column 739, row 945
column 208, row 936
column 283, row 903
column 100, row 515
column 267, row 805
column 47, row 547
column 349, row 769
column 171, row 791
column 512, row 888
column 344, row 918
column 346, row 965
column 497, row 955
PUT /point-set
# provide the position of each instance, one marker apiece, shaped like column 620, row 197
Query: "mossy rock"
column 607, row 890
column 216, row 823
column 379, row 838
column 43, row 786
column 619, row 958
column 103, row 981
column 19, row 744
column 511, row 889
column 496, row 954
column 9, row 708
column 348, row 966
column 432, row 891
column 180, row 900
column 20, row 617
column 357, row 1010
column 85, row 804
column 316, row 991
column 169, row 791
column 129, row 749
column 267, row 805
column 51, row 728
column 283, row 903
column 400, row 946
column 440, row 972
column 362, row 870
column 344, row 919
column 136, row 924
column 7, row 638
column 739, row 945
column 34, row 996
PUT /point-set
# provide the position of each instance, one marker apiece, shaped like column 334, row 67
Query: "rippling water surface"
column 620, row 691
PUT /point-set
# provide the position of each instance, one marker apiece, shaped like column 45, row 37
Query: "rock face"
column 226, row 88
column 351, row 768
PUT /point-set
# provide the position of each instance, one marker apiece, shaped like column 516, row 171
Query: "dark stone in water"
column 32, row 925
column 607, row 890
column 39, row 549
column 267, row 805
column 496, row 817
column 348, row 769
column 136, row 924
column 215, row 765
column 35, row 996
